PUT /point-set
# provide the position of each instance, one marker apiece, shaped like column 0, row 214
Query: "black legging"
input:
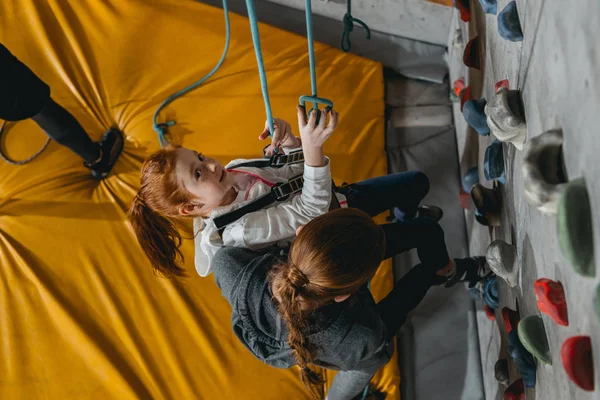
column 24, row 95
column 404, row 191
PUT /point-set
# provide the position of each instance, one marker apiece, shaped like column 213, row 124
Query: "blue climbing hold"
column 490, row 292
column 474, row 114
column 509, row 26
column 470, row 178
column 493, row 165
column 489, row 6
column 523, row 359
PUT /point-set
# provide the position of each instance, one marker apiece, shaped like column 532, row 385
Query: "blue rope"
column 311, row 52
column 161, row 128
column 349, row 27
column 259, row 60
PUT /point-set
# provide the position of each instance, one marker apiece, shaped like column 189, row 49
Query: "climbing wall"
column 83, row 316
column 555, row 67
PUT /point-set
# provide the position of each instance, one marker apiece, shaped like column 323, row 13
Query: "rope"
column 161, row 128
column 349, row 27
column 311, row 51
column 259, row 60
column 22, row 162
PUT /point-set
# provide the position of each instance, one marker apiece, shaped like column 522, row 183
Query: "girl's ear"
column 190, row 209
column 339, row 299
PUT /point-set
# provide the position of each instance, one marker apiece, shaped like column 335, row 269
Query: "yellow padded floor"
column 82, row 315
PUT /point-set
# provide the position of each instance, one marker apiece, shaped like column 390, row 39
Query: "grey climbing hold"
column 502, row 260
column 506, row 118
column 544, row 175
column 509, row 26
column 597, row 302
column 533, row 336
column 575, row 227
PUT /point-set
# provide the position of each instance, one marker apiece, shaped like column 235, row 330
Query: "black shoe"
column 471, row 270
column 431, row 212
column 111, row 144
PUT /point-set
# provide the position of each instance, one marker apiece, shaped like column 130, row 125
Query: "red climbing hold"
column 464, row 6
column 576, row 356
column 458, row 86
column 471, row 54
column 510, row 318
column 465, row 95
column 551, row 300
column 501, row 84
column 516, row 391
column 489, row 312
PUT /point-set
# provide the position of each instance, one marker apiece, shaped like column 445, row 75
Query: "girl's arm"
column 268, row 226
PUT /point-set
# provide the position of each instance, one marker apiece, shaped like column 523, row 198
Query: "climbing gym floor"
column 83, row 316
column 556, row 68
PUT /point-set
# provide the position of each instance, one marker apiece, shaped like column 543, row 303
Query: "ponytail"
column 158, row 237
column 291, row 283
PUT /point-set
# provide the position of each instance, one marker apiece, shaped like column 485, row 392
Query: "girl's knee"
column 421, row 182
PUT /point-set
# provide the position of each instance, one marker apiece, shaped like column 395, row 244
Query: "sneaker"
column 430, row 211
column 471, row 270
column 111, row 145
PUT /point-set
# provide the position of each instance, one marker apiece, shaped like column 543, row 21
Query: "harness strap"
column 276, row 161
column 279, row 192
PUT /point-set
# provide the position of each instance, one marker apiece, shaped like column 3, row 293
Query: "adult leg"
column 24, row 95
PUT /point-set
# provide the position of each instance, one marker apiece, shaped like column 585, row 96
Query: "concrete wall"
column 414, row 19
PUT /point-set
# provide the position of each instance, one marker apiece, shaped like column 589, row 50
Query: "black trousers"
column 404, row 191
column 24, row 95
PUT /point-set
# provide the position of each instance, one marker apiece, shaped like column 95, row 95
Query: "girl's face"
column 205, row 178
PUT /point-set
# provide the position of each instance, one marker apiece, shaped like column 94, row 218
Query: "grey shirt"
column 348, row 336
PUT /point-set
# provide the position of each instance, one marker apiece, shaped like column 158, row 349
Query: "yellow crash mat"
column 82, row 315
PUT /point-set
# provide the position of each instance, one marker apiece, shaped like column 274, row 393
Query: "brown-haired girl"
column 313, row 307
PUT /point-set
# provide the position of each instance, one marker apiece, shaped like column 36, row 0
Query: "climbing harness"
column 21, row 162
column 349, row 21
column 161, row 128
column 275, row 161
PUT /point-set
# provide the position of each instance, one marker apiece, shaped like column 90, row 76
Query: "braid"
column 290, row 283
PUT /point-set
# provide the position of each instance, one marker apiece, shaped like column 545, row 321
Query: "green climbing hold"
column 575, row 227
column 533, row 337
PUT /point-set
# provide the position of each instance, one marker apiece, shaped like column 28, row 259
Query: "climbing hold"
column 510, row 318
column 576, row 356
column 487, row 202
column 493, row 164
column 475, row 117
column 458, row 85
column 464, row 199
column 551, row 300
column 486, row 290
column 575, row 232
column 506, row 118
column 501, row 84
column 471, row 54
column 489, row 6
column 509, row 26
column 465, row 95
column 457, row 41
column 501, row 371
column 489, row 313
column 464, row 6
column 471, row 177
column 597, row 302
column 524, row 361
column 544, row 175
column 502, row 259
column 516, row 391
column 532, row 335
